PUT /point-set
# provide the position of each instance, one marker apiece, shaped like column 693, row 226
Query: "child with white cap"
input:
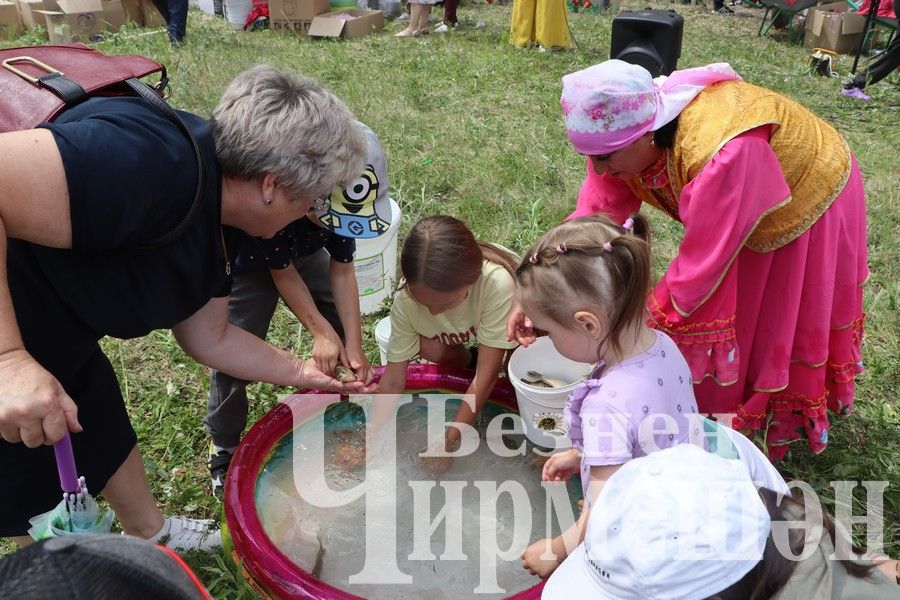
column 686, row 524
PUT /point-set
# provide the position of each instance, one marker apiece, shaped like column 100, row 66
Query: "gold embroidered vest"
column 814, row 157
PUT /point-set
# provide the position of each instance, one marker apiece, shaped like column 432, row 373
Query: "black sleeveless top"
column 131, row 178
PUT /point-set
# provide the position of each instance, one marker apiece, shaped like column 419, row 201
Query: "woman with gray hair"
column 104, row 231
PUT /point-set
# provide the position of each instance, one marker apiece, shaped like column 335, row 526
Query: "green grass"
column 472, row 127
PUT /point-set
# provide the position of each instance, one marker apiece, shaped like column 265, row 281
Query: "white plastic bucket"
column 382, row 337
column 236, row 12
column 376, row 265
column 542, row 408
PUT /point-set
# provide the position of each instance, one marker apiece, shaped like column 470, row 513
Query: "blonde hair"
column 275, row 121
column 442, row 254
column 589, row 264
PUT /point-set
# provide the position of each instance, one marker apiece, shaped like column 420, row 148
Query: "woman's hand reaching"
column 312, row 378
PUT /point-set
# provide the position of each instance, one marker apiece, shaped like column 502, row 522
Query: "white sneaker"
column 442, row 28
column 183, row 533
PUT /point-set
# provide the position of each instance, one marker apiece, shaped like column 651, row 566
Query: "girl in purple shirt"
column 584, row 283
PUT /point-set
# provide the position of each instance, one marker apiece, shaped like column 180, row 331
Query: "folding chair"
column 788, row 10
column 885, row 22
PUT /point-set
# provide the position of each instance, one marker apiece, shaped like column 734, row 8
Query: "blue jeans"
column 175, row 13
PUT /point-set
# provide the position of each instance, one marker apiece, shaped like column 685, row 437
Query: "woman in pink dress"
column 764, row 297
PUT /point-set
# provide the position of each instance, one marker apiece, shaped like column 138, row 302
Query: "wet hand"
column 439, row 464
column 534, row 564
column 561, row 466
column 34, row 408
column 313, row 378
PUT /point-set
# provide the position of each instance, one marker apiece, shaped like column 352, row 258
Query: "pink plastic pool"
column 266, row 567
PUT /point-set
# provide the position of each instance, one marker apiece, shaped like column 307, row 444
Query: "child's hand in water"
column 561, row 466
column 534, row 564
column 439, row 464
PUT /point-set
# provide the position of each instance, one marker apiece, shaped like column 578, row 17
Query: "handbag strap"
column 71, row 92
column 149, row 94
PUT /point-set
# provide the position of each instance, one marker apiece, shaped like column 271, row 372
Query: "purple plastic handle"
column 65, row 464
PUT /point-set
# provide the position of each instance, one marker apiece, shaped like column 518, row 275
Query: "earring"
column 268, row 200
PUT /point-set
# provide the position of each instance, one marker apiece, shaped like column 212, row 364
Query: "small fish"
column 537, row 379
column 343, row 374
column 320, row 558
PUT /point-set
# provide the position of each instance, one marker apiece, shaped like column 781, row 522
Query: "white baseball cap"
column 679, row 524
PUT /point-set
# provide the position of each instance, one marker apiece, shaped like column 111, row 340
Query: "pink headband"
column 609, row 105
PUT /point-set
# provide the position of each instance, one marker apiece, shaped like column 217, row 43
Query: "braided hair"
column 591, row 264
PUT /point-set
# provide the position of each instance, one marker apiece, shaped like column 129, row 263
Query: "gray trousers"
column 251, row 307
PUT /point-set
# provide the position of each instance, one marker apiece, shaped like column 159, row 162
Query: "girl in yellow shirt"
column 451, row 309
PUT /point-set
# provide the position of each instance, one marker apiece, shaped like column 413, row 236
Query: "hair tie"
column 628, row 225
column 561, row 249
column 534, row 259
column 607, row 246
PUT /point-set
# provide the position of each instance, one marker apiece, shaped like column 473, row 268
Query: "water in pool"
column 331, row 542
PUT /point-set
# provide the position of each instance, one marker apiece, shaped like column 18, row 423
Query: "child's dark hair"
column 442, row 254
column 589, row 264
column 774, row 570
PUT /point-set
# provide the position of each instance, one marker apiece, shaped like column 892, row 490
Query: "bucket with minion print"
column 363, row 210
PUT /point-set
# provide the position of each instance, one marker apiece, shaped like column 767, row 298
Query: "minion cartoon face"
column 352, row 210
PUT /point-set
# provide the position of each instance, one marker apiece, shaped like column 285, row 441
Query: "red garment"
column 773, row 337
column 885, row 9
column 260, row 9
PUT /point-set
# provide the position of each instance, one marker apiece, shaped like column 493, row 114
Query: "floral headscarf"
column 609, row 105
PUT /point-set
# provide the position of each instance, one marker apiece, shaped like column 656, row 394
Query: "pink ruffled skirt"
column 778, row 344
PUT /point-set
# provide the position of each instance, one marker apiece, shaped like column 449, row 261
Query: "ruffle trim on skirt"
column 800, row 411
column 710, row 348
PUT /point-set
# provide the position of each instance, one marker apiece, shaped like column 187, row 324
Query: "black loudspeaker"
column 649, row 38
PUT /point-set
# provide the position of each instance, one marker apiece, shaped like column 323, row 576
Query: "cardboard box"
column 10, row 23
column 26, row 13
column 75, row 21
column 133, row 12
column 299, row 27
column 150, row 16
column 349, row 23
column 113, row 15
column 833, row 27
column 295, row 16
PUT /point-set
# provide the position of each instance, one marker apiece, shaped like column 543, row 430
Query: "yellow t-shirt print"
column 480, row 319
